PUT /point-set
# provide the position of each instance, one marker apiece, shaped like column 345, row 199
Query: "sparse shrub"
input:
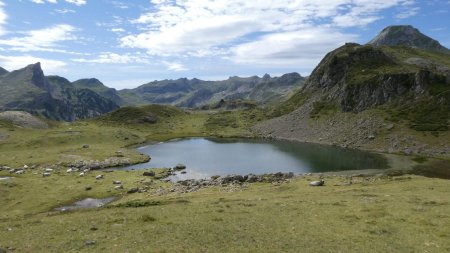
column 322, row 108
column 147, row 218
column 420, row 159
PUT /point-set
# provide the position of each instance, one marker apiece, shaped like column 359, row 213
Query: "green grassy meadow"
column 377, row 213
column 373, row 214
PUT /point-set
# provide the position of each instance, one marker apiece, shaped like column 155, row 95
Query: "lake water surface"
column 205, row 157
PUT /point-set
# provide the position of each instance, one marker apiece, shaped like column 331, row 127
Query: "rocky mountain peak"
column 336, row 65
column 406, row 35
column 3, row 71
column 37, row 76
column 89, row 82
column 266, row 77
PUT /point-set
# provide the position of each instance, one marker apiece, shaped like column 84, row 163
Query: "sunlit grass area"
column 382, row 214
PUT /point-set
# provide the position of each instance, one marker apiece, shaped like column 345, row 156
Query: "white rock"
column 48, row 170
column 82, row 174
column 317, row 183
column 46, row 174
column 98, row 177
column 20, row 172
column 69, row 170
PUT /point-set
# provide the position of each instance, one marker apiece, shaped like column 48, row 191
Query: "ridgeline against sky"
column 127, row 43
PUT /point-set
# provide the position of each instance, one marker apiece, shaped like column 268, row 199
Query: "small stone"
column 183, row 172
column 82, row 174
column 48, row 170
column 371, row 136
column 317, row 183
column 133, row 190
column 89, row 243
column 117, row 182
column 25, row 167
column 118, row 187
column 94, row 228
column 98, row 177
column 215, row 177
column 149, row 174
column 46, row 174
column 85, row 146
column 180, row 167
column 408, row 151
column 88, row 188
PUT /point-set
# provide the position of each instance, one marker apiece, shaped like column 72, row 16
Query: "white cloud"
column 77, row 2
column 279, row 30
column 406, row 13
column 118, row 30
column 301, row 48
column 41, row 40
column 16, row 62
column 175, row 66
column 3, row 17
column 114, row 58
column 43, row 1
column 64, row 11
column 120, row 5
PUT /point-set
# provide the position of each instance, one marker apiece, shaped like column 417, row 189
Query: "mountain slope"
column 194, row 92
column 98, row 87
column 53, row 97
column 383, row 98
column 406, row 35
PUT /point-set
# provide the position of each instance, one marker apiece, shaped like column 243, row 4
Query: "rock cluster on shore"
column 233, row 180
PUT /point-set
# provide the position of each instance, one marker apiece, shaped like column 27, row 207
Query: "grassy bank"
column 373, row 214
column 64, row 142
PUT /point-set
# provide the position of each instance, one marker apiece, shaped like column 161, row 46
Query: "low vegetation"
column 289, row 217
column 322, row 108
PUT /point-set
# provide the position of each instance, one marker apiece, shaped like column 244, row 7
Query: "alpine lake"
column 206, row 157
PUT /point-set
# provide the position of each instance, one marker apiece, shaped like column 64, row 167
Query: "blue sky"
column 128, row 43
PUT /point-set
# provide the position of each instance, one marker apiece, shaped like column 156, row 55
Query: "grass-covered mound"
column 143, row 114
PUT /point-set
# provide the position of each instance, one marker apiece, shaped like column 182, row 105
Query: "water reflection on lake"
column 205, row 157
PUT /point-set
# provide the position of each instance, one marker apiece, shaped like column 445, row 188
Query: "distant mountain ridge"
column 53, row 97
column 195, row 92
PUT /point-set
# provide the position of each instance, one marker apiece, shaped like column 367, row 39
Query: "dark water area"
column 205, row 157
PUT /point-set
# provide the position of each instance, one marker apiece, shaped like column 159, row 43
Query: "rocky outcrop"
column 406, row 35
column 359, row 77
column 357, row 93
